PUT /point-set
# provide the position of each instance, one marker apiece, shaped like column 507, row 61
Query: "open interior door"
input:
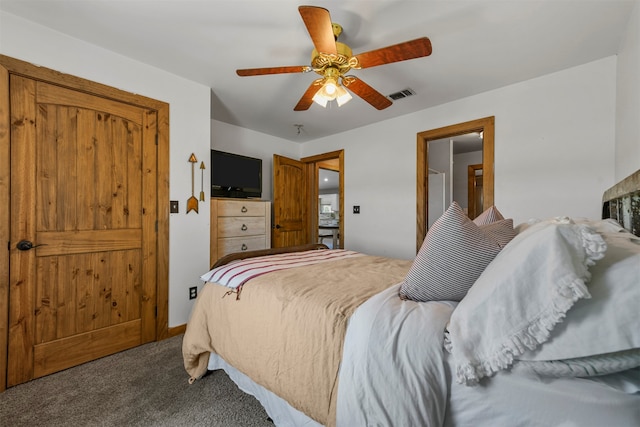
column 290, row 198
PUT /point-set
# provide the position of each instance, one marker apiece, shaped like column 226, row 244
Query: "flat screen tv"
column 233, row 175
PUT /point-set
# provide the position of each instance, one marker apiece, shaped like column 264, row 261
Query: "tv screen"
column 233, row 175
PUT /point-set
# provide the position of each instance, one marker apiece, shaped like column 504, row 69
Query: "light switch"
column 173, row 206
column 356, row 209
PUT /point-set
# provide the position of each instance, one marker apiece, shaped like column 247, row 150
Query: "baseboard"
column 177, row 330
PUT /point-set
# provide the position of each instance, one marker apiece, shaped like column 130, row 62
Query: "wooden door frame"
column 10, row 66
column 313, row 165
column 485, row 125
column 471, row 189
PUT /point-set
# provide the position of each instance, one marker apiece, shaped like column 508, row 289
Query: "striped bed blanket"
column 237, row 273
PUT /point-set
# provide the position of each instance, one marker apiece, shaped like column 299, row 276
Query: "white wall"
column 554, row 155
column 628, row 100
column 189, row 133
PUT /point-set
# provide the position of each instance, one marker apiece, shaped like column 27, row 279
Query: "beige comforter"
column 286, row 330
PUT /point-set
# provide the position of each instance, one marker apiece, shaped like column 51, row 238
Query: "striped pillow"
column 501, row 231
column 454, row 254
column 489, row 216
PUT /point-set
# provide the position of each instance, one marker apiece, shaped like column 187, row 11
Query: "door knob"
column 25, row 245
column 278, row 226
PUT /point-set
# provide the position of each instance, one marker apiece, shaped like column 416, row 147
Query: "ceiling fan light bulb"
column 330, row 88
column 342, row 96
column 319, row 99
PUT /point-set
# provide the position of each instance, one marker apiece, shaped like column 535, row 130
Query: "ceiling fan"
column 332, row 60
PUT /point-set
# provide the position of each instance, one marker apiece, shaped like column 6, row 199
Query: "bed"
column 464, row 334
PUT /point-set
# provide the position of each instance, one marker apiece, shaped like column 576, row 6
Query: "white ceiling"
column 478, row 45
column 328, row 179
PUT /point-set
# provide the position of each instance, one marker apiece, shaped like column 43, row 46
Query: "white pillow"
column 454, row 253
column 589, row 366
column 609, row 321
column 521, row 296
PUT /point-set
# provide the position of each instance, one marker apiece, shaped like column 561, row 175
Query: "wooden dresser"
column 239, row 225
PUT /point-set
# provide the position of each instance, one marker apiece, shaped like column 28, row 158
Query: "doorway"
column 327, row 165
column 296, row 192
column 329, row 204
column 484, row 127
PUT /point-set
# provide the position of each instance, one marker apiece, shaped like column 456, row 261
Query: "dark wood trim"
column 5, row 199
column 162, row 273
column 471, row 189
column 176, row 330
column 486, row 125
column 263, row 252
column 26, row 69
column 622, row 203
column 322, row 157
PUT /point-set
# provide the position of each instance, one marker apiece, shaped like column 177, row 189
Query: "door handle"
column 26, row 245
column 277, row 226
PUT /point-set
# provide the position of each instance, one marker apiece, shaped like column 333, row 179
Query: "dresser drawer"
column 240, row 244
column 239, row 225
column 231, row 226
column 241, row 208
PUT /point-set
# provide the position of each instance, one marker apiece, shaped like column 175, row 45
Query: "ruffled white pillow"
column 520, row 297
column 609, row 321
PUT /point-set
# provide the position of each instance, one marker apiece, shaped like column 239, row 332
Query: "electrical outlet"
column 173, row 206
column 356, row 209
column 193, row 292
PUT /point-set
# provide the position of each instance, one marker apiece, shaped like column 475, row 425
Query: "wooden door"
column 83, row 181
column 290, row 200
column 474, row 190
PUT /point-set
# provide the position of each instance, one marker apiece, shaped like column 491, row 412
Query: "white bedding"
column 392, row 371
column 508, row 399
column 505, row 399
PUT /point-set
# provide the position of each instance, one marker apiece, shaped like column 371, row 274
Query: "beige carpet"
column 144, row 386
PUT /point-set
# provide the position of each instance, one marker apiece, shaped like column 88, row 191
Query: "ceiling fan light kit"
column 332, row 60
column 331, row 89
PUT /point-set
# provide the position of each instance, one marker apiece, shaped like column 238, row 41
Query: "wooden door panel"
column 71, row 242
column 60, row 354
column 22, row 270
column 290, row 202
column 89, row 204
column 59, row 96
column 92, row 291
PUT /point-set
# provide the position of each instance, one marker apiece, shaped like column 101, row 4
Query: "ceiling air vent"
column 402, row 94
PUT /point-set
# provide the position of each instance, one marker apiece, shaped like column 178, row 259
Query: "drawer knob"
column 244, row 209
column 244, row 227
column 244, row 247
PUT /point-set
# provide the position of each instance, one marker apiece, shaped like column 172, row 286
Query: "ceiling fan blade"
column 318, row 23
column 307, row 99
column 398, row 52
column 273, row 70
column 366, row 92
